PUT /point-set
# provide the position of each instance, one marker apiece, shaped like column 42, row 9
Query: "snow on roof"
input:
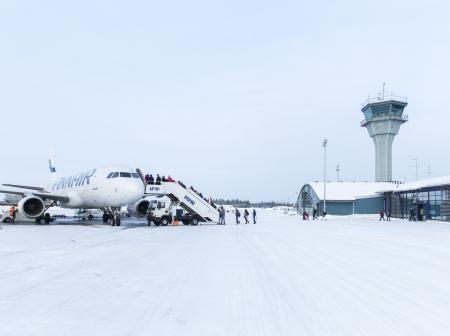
column 420, row 184
column 349, row 191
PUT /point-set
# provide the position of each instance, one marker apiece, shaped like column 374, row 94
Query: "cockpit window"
column 124, row 174
column 109, row 175
column 135, row 175
column 116, row 174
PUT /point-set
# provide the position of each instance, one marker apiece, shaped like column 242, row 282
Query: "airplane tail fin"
column 51, row 166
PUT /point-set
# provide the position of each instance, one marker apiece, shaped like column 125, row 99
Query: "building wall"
column 369, row 205
column 338, row 208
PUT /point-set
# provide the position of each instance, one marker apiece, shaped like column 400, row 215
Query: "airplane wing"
column 53, row 197
column 43, row 195
column 24, row 187
column 21, row 193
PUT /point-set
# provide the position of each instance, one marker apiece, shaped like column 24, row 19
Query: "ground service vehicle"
column 190, row 207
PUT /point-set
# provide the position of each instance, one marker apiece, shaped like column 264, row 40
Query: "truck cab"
column 162, row 211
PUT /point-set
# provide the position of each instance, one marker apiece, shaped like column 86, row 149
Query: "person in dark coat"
column 412, row 215
column 314, row 213
column 158, row 179
column 151, row 179
column 382, row 215
column 246, row 214
column 254, row 216
column 388, row 215
column 237, row 214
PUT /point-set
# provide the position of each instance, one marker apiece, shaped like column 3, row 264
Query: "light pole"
column 324, row 145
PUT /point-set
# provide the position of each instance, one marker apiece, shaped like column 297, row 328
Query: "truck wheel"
column 105, row 218
column 7, row 220
column 47, row 218
column 194, row 221
column 90, row 217
column 164, row 222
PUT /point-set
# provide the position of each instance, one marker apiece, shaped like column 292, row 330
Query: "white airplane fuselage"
column 108, row 186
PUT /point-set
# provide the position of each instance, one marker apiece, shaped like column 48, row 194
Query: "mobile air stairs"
column 196, row 209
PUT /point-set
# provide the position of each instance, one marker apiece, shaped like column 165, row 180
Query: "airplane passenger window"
column 116, row 174
column 109, row 175
column 135, row 175
column 123, row 174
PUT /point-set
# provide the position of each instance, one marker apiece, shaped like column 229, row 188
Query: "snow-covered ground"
column 283, row 276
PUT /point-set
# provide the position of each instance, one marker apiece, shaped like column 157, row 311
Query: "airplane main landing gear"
column 112, row 215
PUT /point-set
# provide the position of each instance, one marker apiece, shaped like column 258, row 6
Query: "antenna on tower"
column 417, row 167
column 429, row 171
column 337, row 173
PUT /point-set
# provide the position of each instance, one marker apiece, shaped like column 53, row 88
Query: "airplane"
column 107, row 188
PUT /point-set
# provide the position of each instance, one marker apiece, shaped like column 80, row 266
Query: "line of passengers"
column 149, row 179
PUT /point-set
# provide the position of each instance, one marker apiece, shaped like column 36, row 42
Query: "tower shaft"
column 383, row 121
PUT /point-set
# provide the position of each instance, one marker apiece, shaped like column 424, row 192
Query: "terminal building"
column 430, row 199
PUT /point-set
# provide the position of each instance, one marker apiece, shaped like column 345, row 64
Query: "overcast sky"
column 233, row 97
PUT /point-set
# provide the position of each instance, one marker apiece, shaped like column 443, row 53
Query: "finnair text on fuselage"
column 77, row 180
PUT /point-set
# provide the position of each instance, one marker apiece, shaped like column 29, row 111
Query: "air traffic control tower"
column 383, row 118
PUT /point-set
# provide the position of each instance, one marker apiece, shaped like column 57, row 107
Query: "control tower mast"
column 383, row 118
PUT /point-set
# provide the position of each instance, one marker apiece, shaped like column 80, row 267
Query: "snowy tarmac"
column 283, row 276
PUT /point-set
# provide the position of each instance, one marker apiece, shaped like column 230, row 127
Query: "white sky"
column 232, row 96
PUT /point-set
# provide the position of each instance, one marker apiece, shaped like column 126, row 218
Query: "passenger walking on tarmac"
column 158, row 179
column 222, row 210
column 238, row 214
column 388, row 215
column 314, row 213
column 382, row 215
column 220, row 218
column 254, row 216
column 246, row 214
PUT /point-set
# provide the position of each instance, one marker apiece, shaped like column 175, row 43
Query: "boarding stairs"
column 185, row 198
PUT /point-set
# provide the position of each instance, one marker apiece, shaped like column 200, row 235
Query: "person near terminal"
column 237, row 214
column 254, row 216
column 314, row 213
column 382, row 215
column 388, row 215
column 412, row 214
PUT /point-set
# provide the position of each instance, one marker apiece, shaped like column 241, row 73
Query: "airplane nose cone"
column 135, row 191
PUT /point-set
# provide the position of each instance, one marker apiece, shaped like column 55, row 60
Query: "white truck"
column 180, row 203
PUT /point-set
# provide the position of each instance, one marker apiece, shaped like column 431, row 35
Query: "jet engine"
column 139, row 209
column 31, row 206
